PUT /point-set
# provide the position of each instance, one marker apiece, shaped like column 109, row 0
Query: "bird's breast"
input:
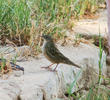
column 43, row 47
column 44, row 51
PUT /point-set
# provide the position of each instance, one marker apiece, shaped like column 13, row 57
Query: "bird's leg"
column 55, row 67
column 48, row 67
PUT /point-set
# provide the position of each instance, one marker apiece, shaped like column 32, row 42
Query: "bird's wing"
column 55, row 53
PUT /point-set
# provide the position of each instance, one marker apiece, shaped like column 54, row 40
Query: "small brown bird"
column 53, row 54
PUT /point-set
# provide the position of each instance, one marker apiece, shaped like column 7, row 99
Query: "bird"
column 13, row 66
column 52, row 53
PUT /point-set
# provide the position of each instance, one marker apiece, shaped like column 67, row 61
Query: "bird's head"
column 47, row 37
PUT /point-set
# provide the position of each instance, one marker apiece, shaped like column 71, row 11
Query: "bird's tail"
column 71, row 63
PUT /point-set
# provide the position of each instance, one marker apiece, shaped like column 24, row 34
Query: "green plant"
column 100, row 59
column 2, row 65
column 14, row 15
column 49, row 16
column 69, row 91
column 98, row 92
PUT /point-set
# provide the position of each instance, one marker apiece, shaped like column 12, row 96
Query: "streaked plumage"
column 53, row 54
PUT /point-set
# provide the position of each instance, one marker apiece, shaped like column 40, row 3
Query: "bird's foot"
column 54, row 70
column 49, row 69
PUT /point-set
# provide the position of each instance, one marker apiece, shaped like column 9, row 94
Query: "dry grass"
column 22, row 21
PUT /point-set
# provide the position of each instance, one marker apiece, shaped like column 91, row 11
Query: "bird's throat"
column 43, row 47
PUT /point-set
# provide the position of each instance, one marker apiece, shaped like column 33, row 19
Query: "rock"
column 41, row 84
column 93, row 26
column 15, row 53
column 9, row 90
